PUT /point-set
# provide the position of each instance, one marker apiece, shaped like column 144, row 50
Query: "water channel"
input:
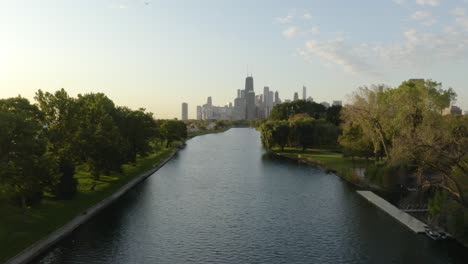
column 222, row 199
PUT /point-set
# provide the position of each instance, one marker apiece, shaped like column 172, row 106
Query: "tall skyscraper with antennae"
column 250, row 109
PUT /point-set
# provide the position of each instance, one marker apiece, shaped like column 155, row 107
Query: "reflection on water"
column 223, row 200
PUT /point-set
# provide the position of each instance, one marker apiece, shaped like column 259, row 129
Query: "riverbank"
column 20, row 229
column 341, row 166
column 206, row 132
column 329, row 161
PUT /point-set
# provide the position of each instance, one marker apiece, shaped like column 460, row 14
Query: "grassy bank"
column 20, row 228
column 208, row 131
column 328, row 160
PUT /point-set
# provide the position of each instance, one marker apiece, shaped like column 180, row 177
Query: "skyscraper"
column 250, row 109
column 209, row 102
column 249, row 85
column 304, row 93
column 199, row 112
column 184, row 111
column 277, row 101
column 296, row 96
column 266, row 106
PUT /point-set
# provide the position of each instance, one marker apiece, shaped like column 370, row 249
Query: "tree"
column 354, row 142
column 173, row 130
column 372, row 111
column 61, row 118
column 25, row 169
column 302, row 131
column 444, row 150
column 285, row 111
column 138, row 129
column 334, row 115
column 101, row 145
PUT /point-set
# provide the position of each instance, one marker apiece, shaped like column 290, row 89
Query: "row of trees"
column 317, row 111
column 301, row 124
column 41, row 144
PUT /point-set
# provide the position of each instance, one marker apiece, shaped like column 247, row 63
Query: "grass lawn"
column 328, row 159
column 19, row 228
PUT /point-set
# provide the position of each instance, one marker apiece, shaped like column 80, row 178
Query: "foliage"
column 24, row 170
column 285, row 111
column 173, row 130
column 299, row 131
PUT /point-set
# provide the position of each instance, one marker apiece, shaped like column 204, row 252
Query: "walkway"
column 412, row 223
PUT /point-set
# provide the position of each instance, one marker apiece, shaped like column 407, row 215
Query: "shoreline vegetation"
column 330, row 161
column 50, row 215
column 62, row 155
column 43, row 219
column 398, row 141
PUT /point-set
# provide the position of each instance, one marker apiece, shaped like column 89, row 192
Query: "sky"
column 158, row 54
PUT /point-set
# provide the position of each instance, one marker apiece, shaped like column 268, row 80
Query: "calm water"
column 223, row 200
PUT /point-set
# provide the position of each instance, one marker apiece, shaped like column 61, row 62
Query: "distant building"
column 277, row 100
column 209, row 102
column 337, row 103
column 327, row 105
column 184, row 111
column 250, row 108
column 199, row 112
column 453, row 110
column 296, row 96
column 287, row 101
column 304, row 93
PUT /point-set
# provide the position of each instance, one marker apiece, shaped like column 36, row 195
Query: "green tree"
column 302, row 131
column 61, row 118
column 138, row 129
column 334, row 115
column 25, row 169
column 101, row 145
column 173, row 130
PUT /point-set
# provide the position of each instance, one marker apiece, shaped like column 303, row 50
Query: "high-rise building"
column 270, row 99
column 199, row 112
column 304, row 93
column 277, row 100
column 249, row 84
column 184, row 111
column 250, row 108
column 296, row 96
column 209, row 102
column 238, row 93
column 266, row 91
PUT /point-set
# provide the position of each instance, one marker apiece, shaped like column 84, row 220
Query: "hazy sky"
column 160, row 54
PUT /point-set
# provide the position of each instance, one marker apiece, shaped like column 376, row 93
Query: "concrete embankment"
column 41, row 246
column 407, row 220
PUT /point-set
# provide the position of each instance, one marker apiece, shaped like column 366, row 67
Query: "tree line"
column 402, row 130
column 301, row 124
column 42, row 144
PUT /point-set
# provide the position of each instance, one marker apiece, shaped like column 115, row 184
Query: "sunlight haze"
column 158, row 54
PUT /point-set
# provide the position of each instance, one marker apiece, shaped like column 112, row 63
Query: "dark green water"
column 223, row 200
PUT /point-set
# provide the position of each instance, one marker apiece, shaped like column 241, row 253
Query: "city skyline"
column 158, row 55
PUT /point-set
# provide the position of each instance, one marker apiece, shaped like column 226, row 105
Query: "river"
column 222, row 199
